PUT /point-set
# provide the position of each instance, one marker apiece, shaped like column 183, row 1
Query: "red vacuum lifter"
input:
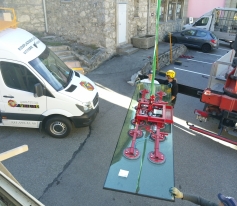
column 152, row 115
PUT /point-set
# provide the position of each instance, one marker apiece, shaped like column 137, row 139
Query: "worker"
column 235, row 45
column 144, row 78
column 171, row 82
column 223, row 200
column 235, row 16
column 148, row 79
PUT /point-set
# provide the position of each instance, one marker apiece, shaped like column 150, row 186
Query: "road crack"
column 56, row 180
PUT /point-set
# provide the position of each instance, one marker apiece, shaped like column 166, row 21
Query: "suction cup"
column 153, row 159
column 129, row 155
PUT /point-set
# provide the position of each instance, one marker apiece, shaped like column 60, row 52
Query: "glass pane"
column 202, row 22
column 171, row 10
column 201, row 33
column 52, row 69
column 18, row 77
column 189, row 32
column 140, row 175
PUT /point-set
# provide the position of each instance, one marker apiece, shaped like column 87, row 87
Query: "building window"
column 162, row 10
column 179, row 9
column 171, row 7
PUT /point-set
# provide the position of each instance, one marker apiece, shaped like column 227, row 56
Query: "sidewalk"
column 133, row 63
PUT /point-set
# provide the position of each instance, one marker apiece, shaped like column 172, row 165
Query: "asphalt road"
column 72, row 171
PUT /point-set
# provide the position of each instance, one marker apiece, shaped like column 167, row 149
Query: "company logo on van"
column 87, row 85
column 13, row 103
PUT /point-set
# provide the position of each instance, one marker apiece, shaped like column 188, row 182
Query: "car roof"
column 199, row 29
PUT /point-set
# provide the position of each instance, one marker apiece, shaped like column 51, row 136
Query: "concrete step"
column 129, row 51
column 75, row 65
column 60, row 48
column 124, row 47
column 66, row 55
column 67, row 58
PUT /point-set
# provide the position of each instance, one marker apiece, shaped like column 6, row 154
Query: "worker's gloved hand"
column 137, row 80
column 174, row 191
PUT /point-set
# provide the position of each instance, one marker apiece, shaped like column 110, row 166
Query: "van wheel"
column 58, row 126
column 206, row 48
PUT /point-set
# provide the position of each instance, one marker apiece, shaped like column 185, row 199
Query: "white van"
column 221, row 21
column 37, row 90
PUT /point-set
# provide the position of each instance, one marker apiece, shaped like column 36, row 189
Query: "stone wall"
column 92, row 22
column 177, row 50
column 29, row 13
column 89, row 22
column 81, row 21
column 132, row 21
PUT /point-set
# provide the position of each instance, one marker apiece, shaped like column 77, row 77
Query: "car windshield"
column 52, row 69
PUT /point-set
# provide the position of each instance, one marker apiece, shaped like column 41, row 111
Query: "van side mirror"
column 38, row 90
column 182, row 34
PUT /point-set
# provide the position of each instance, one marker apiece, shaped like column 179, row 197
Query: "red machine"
column 152, row 115
column 220, row 98
column 226, row 101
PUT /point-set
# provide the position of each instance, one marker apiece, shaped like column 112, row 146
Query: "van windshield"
column 52, row 69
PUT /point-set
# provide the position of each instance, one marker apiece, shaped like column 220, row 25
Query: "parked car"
column 195, row 37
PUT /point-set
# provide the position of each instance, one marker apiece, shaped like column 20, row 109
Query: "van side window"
column 18, row 77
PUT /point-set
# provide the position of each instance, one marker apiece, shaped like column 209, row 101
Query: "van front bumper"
column 85, row 119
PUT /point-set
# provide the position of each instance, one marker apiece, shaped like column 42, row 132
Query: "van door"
column 203, row 23
column 20, row 107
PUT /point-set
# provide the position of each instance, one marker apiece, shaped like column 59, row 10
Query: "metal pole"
column 148, row 16
column 170, row 48
column 45, row 17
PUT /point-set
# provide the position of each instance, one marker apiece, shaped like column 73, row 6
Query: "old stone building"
column 104, row 23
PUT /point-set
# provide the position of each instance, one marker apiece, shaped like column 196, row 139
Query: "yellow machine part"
column 8, row 18
column 78, row 69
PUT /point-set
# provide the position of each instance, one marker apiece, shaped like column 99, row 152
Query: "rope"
column 156, row 47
